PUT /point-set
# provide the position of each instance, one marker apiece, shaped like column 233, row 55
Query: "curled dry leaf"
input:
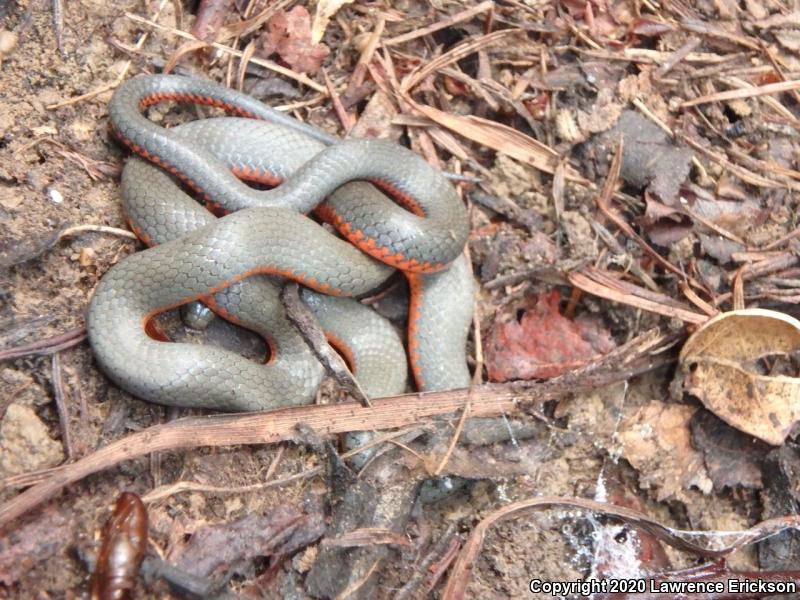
column 720, row 365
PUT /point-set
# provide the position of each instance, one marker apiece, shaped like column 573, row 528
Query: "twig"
column 68, row 339
column 604, row 204
column 784, row 260
column 459, row 576
column 350, row 590
column 770, row 88
column 711, row 225
column 76, row 229
column 738, row 289
column 499, row 137
column 95, row 169
column 347, row 120
column 773, row 103
column 456, row 53
column 27, row 479
column 420, row 570
column 745, row 174
column 360, row 71
column 677, row 56
column 405, row 448
column 460, row 17
column 276, row 460
column 637, row 102
column 774, row 62
column 247, row 56
column 782, row 240
column 587, row 282
column 705, row 28
column 95, row 92
column 58, row 26
column 697, row 300
column 457, row 433
column 656, row 57
column 33, row 248
column 439, row 569
column 254, row 24
column 184, row 49
column 280, row 425
column 61, row 406
column 192, row 486
column 314, row 337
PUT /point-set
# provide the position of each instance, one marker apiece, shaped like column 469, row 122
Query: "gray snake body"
column 222, row 261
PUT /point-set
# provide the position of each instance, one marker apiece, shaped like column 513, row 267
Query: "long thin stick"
column 770, row 88
column 281, row 425
column 443, row 24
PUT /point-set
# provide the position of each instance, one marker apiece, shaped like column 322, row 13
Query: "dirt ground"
column 59, row 167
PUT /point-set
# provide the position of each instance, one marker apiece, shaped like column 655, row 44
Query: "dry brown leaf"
column 289, row 36
column 719, row 363
column 657, row 442
column 214, row 548
column 542, row 343
column 733, row 459
column 651, row 159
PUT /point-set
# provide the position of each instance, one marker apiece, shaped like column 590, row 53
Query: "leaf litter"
column 730, row 365
column 638, row 172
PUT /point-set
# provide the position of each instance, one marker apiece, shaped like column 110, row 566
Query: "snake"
column 388, row 208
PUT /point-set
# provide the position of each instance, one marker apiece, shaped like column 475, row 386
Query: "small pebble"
column 8, row 41
column 55, row 196
column 25, row 442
